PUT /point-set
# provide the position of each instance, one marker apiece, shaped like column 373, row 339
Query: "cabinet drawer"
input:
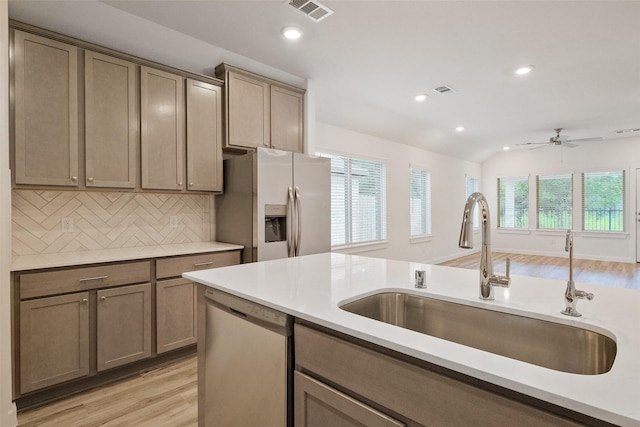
column 80, row 279
column 175, row 266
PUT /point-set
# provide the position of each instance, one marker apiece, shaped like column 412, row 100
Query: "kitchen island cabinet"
column 419, row 379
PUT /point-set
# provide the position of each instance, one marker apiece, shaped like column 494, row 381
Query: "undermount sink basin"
column 543, row 343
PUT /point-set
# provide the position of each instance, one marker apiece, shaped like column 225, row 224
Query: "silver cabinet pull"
column 85, row 300
column 89, row 279
column 191, row 184
column 202, row 264
column 74, row 178
column 102, row 298
column 90, row 179
column 291, row 246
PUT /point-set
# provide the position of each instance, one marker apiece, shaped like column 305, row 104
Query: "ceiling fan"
column 559, row 140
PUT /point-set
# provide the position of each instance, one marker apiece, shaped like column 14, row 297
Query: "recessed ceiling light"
column 506, row 148
column 524, row 70
column 421, row 97
column 460, row 128
column 291, row 33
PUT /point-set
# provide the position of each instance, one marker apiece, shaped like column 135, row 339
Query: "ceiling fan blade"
column 596, row 138
column 570, row 145
column 532, row 143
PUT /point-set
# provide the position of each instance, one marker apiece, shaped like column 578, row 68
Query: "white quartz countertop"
column 312, row 288
column 66, row 259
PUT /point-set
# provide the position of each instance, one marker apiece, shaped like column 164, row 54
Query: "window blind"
column 471, row 185
column 420, row 202
column 603, row 197
column 554, row 201
column 513, row 202
column 358, row 200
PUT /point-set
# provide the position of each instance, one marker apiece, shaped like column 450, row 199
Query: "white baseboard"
column 563, row 254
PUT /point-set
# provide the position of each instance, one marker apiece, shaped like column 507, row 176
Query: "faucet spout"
column 487, row 279
column 571, row 294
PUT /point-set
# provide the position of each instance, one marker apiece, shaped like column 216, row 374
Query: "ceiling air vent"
column 444, row 89
column 313, row 9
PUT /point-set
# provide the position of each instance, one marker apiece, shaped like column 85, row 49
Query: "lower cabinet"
column 123, row 326
column 175, row 314
column 414, row 394
column 318, row 405
column 54, row 340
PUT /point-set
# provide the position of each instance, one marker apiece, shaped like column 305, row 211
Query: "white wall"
column 606, row 155
column 447, row 198
column 7, row 408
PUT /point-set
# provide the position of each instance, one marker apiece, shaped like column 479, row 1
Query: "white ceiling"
column 370, row 58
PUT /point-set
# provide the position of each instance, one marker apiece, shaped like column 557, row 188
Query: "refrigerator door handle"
column 290, row 242
column 299, row 218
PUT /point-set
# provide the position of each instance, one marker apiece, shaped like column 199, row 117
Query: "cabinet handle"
column 88, row 279
column 102, row 298
column 85, row 300
column 191, row 184
column 74, row 178
column 202, row 264
column 90, row 179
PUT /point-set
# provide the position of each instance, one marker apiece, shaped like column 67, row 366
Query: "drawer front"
column 80, row 279
column 175, row 266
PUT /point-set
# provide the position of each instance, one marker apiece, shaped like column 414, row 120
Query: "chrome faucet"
column 487, row 279
column 571, row 294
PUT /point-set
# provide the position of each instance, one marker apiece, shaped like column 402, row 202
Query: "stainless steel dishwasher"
column 247, row 362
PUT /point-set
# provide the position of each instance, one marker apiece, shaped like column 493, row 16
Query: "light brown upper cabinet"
column 162, row 129
column 46, row 111
column 204, row 136
column 110, row 121
column 261, row 112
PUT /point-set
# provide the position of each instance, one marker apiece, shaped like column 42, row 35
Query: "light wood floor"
column 618, row 274
column 168, row 396
column 164, row 397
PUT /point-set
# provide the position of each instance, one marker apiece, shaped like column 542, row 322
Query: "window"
column 555, row 201
column 358, row 200
column 420, row 202
column 513, row 202
column 603, row 201
column 472, row 187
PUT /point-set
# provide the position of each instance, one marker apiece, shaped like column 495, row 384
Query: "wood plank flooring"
column 167, row 396
column 617, row 274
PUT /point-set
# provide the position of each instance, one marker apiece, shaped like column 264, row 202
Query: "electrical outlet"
column 67, row 224
column 173, row 221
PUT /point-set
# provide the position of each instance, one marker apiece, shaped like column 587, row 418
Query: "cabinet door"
column 318, row 405
column 204, row 136
column 54, row 340
column 287, row 132
column 110, row 121
column 248, row 111
column 124, row 325
column 46, row 111
column 162, row 132
column 175, row 314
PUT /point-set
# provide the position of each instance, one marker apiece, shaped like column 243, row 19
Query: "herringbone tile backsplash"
column 105, row 220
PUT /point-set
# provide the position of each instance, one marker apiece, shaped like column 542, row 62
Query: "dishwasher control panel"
column 247, row 309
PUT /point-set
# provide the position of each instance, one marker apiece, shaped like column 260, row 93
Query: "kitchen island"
column 311, row 288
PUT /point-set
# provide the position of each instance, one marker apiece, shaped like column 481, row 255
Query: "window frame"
column 425, row 202
column 623, row 202
column 571, row 204
column 347, row 216
column 516, row 179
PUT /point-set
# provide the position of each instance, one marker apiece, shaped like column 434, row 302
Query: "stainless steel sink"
column 543, row 343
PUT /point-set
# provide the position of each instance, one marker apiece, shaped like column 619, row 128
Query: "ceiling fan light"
column 526, row 69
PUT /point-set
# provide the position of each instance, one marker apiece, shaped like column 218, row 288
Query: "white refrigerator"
column 275, row 203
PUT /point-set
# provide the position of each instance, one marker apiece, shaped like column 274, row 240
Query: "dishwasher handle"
column 259, row 314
